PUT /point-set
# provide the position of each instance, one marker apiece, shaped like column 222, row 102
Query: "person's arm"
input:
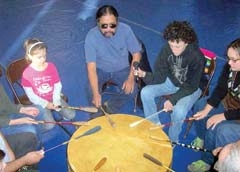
column 93, row 79
column 57, row 94
column 136, row 57
column 161, row 68
column 221, row 90
column 35, row 98
column 24, row 120
column 128, row 85
column 6, row 107
column 8, row 151
column 28, row 159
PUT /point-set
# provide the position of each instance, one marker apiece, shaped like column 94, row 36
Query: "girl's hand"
column 50, row 106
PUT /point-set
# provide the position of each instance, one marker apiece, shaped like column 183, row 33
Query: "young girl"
column 41, row 81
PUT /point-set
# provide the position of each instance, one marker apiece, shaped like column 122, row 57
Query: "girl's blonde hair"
column 32, row 45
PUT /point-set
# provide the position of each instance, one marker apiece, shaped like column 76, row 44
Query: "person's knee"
column 145, row 92
column 72, row 115
column 48, row 126
column 179, row 113
column 22, row 143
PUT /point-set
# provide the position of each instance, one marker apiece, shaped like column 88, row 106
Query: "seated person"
column 177, row 73
column 217, row 121
column 8, row 162
column 228, row 158
column 107, row 48
column 15, row 119
column 42, row 83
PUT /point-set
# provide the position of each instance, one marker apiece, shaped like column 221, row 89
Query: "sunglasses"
column 105, row 26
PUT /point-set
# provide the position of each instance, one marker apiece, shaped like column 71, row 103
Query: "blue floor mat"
column 64, row 24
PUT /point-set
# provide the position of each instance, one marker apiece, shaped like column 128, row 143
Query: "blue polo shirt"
column 111, row 54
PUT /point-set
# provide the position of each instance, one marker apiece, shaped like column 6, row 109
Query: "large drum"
column 120, row 148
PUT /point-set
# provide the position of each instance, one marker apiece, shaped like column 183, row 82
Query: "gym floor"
column 64, row 24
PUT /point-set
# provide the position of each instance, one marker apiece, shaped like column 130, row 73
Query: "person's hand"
column 214, row 120
column 128, row 85
column 216, row 151
column 167, row 106
column 97, row 100
column 25, row 120
column 32, row 111
column 50, row 106
column 200, row 115
column 33, row 157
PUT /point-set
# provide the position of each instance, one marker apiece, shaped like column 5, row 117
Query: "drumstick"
column 100, row 163
column 156, row 161
column 112, row 123
column 78, row 123
column 90, row 109
column 181, row 144
column 171, row 123
column 134, row 124
column 88, row 132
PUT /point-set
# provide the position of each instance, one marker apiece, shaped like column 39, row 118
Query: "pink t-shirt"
column 42, row 82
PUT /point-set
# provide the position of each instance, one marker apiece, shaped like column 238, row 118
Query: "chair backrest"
column 209, row 69
column 14, row 73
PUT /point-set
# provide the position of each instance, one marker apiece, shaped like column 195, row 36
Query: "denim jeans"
column 201, row 124
column 23, row 128
column 67, row 114
column 116, row 101
column 150, row 92
column 224, row 133
column 212, row 137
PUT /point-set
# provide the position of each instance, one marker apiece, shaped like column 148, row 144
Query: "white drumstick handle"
column 134, row 124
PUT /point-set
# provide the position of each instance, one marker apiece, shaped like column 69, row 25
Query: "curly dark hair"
column 180, row 31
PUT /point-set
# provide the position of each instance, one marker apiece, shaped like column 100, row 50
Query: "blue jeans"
column 116, row 101
column 224, row 133
column 32, row 128
column 68, row 114
column 180, row 110
column 213, row 138
column 201, row 124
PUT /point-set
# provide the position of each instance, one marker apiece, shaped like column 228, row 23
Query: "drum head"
column 122, row 146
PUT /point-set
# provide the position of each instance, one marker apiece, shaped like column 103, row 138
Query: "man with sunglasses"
column 107, row 48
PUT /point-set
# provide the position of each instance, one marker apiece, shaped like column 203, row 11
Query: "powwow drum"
column 119, row 148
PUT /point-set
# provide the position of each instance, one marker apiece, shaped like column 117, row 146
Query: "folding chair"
column 14, row 73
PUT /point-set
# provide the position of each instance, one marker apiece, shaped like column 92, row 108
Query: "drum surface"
column 122, row 146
